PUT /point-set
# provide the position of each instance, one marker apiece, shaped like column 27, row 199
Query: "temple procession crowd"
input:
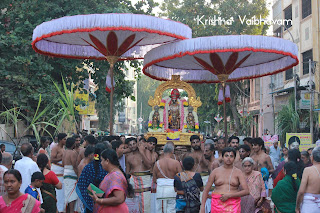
column 118, row 174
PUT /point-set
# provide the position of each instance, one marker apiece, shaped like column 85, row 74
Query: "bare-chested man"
column 208, row 161
column 259, row 156
column 244, row 151
column 137, row 165
column 234, row 142
column 134, row 159
column 220, row 146
column 69, row 161
column 163, row 173
column 77, row 145
column 227, row 180
column 88, row 140
column 196, row 154
column 88, row 157
column 57, row 167
column 247, row 141
column 150, row 152
column 308, row 198
column 174, row 156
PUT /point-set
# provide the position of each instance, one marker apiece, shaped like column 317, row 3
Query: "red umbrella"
column 106, row 36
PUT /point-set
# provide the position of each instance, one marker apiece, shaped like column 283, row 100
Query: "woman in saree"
column 91, row 173
column 252, row 203
column 284, row 195
column 14, row 201
column 227, row 179
column 115, row 185
column 50, row 183
column 294, row 155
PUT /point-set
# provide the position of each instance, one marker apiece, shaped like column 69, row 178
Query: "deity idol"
column 174, row 110
column 190, row 119
column 156, row 118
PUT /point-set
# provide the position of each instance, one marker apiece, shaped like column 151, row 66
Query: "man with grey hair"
column 6, row 162
column 163, row 173
column 308, row 197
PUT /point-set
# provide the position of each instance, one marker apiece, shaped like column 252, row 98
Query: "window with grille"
column 289, row 74
column 306, row 56
column 288, row 16
column 306, row 8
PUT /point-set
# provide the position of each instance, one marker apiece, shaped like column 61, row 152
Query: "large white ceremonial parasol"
column 110, row 37
column 221, row 59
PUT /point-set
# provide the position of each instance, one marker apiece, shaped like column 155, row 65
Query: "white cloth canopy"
column 69, row 37
column 197, row 60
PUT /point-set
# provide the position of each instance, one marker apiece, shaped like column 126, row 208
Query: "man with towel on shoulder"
column 137, row 165
column 163, row 173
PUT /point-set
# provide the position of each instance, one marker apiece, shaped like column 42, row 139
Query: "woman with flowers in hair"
column 284, row 195
column 115, row 186
column 91, row 173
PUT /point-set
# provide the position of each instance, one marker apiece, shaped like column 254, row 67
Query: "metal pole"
column 311, row 100
column 261, row 109
column 273, row 114
column 225, row 113
column 295, row 89
column 112, row 60
column 111, row 100
column 294, row 73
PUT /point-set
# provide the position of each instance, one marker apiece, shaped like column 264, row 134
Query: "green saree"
column 49, row 198
column 284, row 197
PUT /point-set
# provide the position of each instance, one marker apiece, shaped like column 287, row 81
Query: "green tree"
column 287, row 120
column 189, row 12
column 24, row 74
column 146, row 87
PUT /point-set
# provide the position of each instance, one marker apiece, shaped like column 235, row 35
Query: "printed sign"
column 270, row 139
column 299, row 140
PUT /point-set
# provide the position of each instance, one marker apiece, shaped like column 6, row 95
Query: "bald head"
column 27, row 149
column 7, row 160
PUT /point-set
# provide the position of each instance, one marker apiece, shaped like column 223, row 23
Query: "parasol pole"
column 112, row 61
column 223, row 78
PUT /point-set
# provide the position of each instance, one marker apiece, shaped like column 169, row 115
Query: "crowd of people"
column 119, row 174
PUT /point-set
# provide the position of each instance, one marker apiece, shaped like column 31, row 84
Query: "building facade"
column 269, row 94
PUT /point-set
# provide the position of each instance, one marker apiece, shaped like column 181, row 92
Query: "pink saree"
column 230, row 205
column 112, row 181
column 23, row 204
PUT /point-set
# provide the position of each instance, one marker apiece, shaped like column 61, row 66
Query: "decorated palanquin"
column 174, row 118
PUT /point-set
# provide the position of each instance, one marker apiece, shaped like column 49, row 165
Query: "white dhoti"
column 70, row 182
column 204, row 177
column 58, row 169
column 311, row 203
column 141, row 182
column 208, row 201
column 166, row 196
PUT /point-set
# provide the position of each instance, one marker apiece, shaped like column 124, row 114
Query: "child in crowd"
column 37, row 179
